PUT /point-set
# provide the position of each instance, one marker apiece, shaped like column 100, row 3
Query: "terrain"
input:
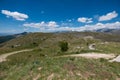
column 38, row 56
column 6, row 37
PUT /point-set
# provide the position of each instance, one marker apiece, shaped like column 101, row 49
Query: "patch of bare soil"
column 50, row 77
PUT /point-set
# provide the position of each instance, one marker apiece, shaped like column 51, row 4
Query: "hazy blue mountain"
column 6, row 37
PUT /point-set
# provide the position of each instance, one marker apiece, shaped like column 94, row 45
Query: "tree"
column 63, row 46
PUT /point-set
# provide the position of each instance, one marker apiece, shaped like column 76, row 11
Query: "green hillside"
column 45, row 61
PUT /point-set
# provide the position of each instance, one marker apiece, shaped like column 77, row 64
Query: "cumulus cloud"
column 42, row 24
column 95, row 27
column 52, row 26
column 108, row 16
column 15, row 15
column 115, row 25
column 85, row 20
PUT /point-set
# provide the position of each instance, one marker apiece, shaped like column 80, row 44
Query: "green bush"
column 63, row 46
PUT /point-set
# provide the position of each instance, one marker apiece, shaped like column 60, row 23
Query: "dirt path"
column 92, row 55
column 85, row 55
column 117, row 59
column 91, row 47
column 4, row 56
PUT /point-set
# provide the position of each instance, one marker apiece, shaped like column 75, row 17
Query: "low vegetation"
column 63, row 46
column 44, row 63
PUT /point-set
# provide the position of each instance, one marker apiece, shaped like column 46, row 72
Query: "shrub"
column 35, row 44
column 63, row 46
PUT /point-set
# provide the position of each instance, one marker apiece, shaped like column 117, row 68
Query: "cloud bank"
column 108, row 16
column 53, row 26
column 15, row 15
column 115, row 25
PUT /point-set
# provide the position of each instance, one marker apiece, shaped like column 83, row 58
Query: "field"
column 46, row 61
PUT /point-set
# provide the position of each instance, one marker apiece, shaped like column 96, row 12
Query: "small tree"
column 63, row 46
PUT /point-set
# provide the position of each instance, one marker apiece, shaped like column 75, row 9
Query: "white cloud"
column 53, row 26
column 42, row 24
column 115, row 25
column 108, row 16
column 85, row 20
column 15, row 15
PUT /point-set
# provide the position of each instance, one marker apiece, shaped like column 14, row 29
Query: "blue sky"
column 58, row 15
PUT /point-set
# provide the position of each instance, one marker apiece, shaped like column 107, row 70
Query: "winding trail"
column 117, row 59
column 92, row 55
column 85, row 55
column 4, row 56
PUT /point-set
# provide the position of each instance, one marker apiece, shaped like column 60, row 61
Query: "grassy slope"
column 21, row 67
column 33, row 40
column 25, row 65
